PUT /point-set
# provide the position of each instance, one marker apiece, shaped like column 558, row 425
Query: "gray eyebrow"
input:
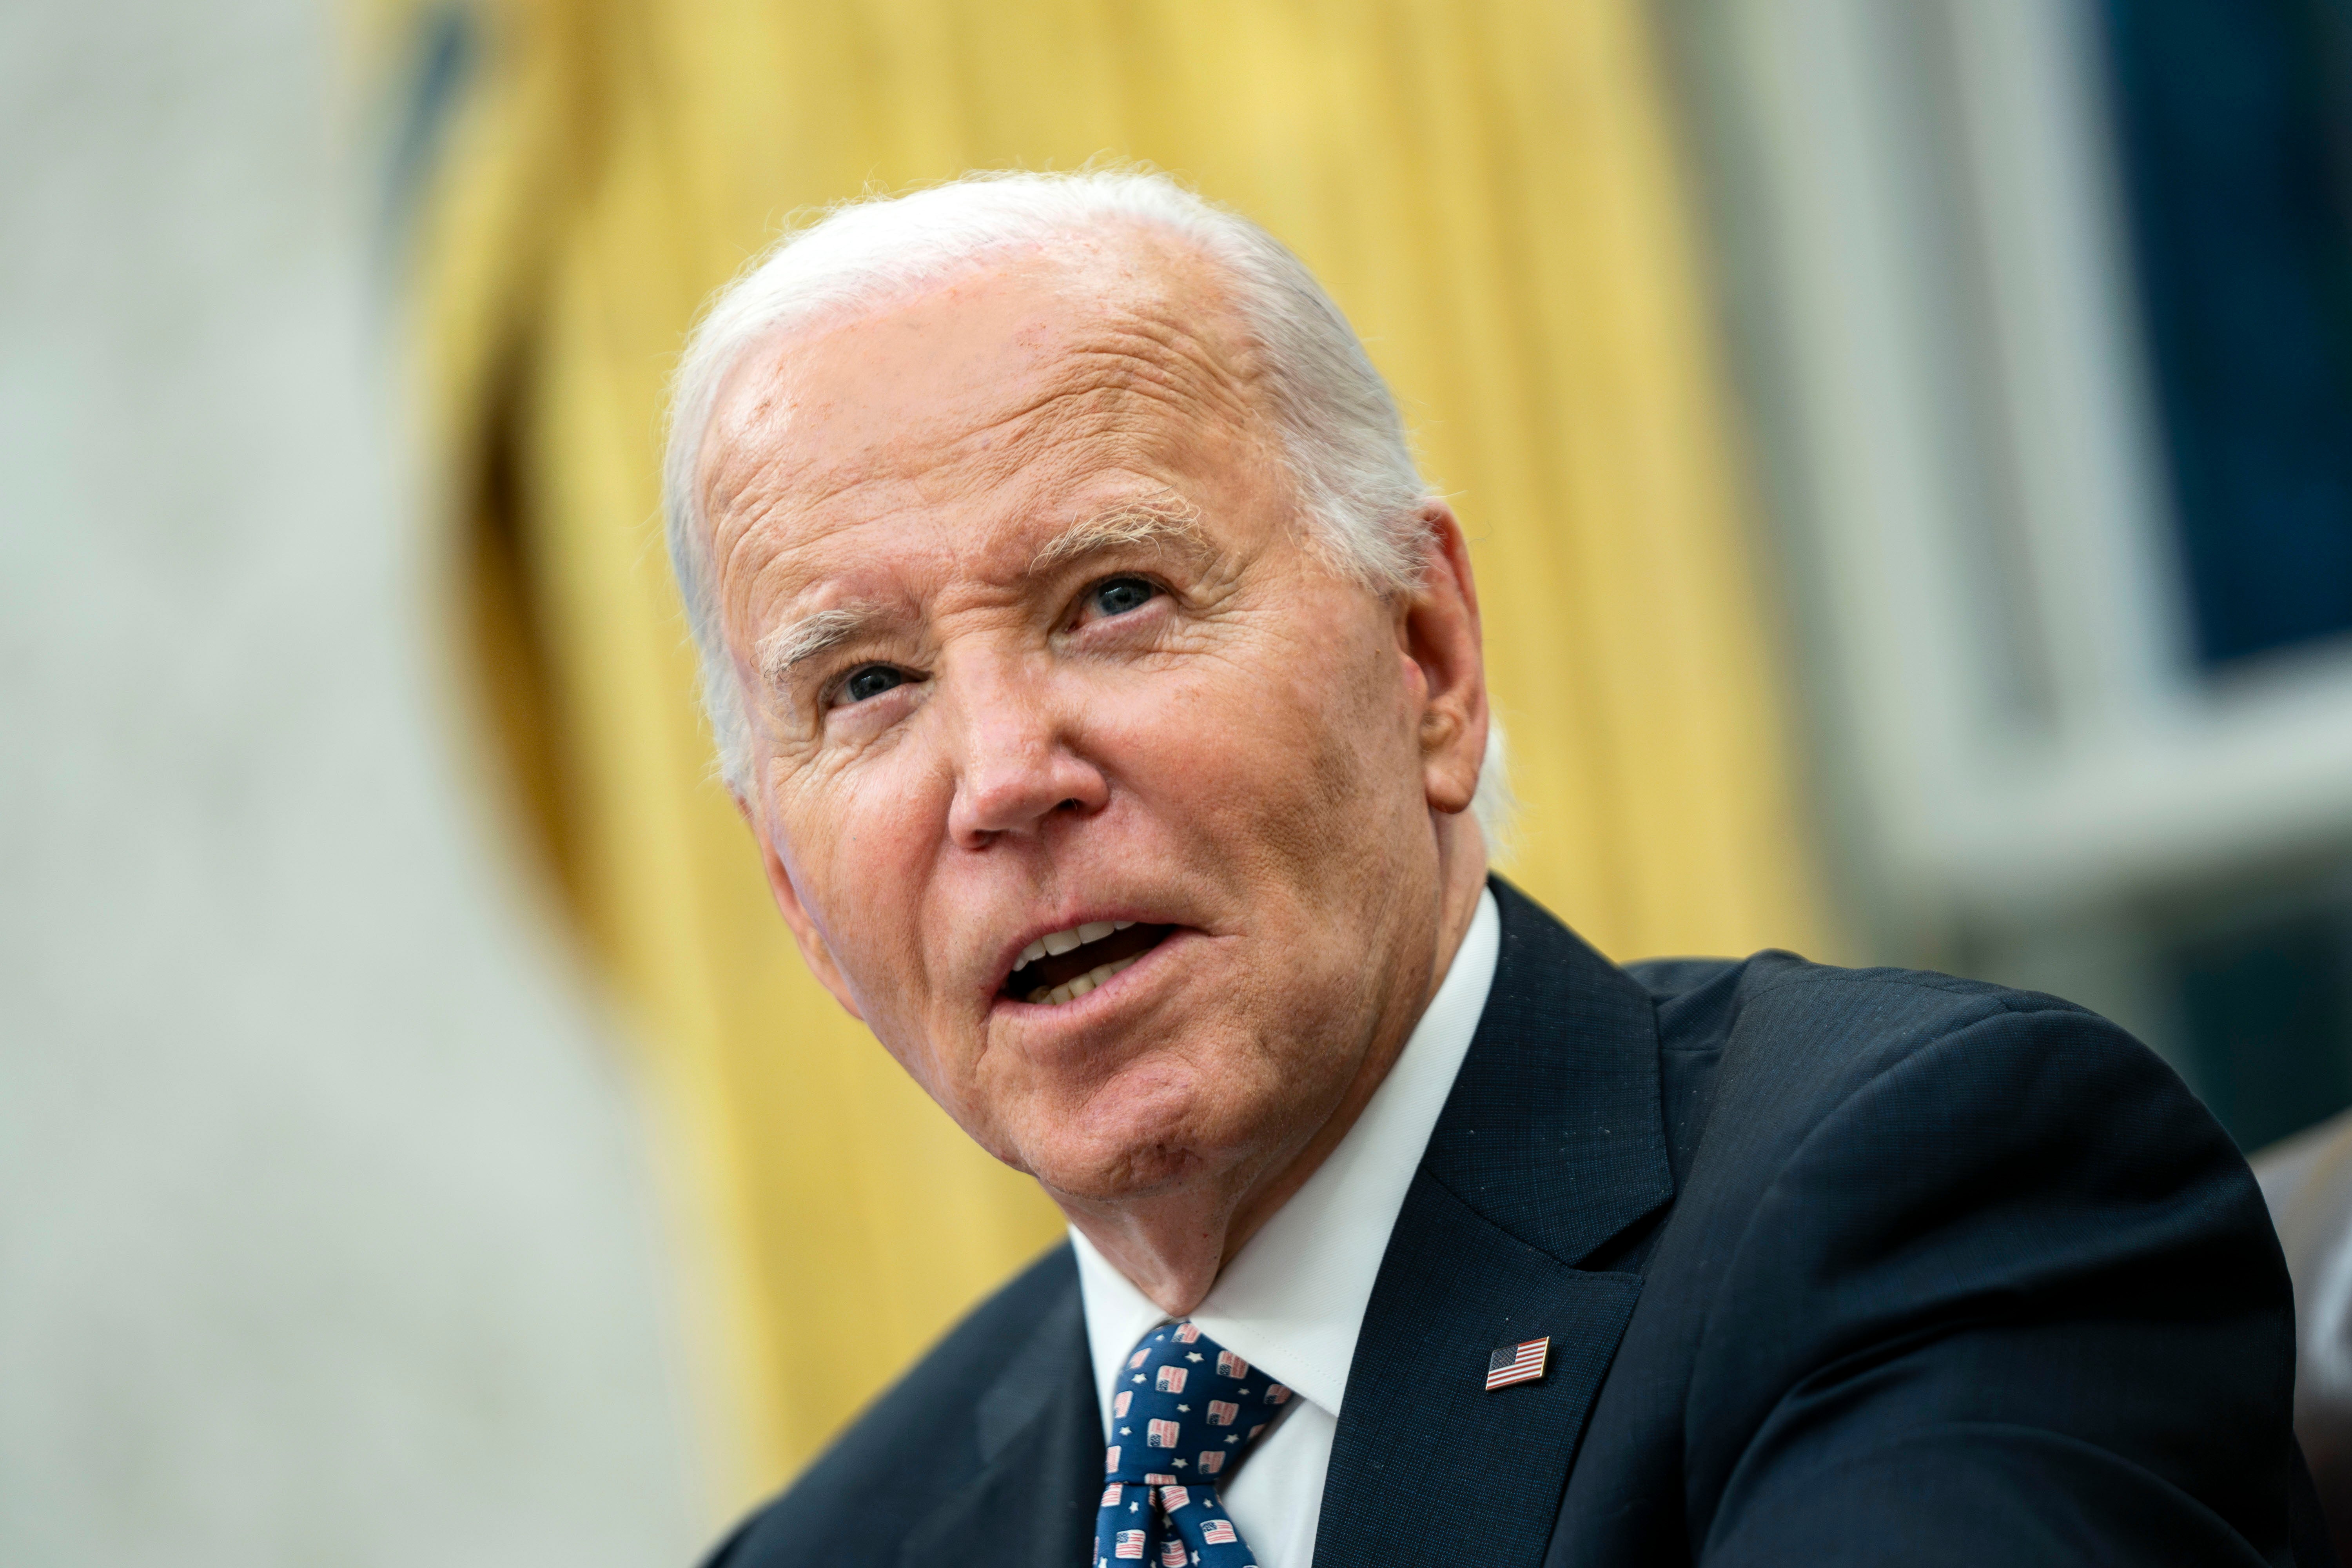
column 1170, row 521
column 796, row 642
column 1135, row 522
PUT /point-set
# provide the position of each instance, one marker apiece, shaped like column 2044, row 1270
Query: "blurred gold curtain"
column 1488, row 186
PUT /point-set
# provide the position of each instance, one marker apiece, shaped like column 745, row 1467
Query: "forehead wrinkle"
column 1098, row 405
column 1132, row 374
column 1195, row 363
column 1151, row 309
column 1103, row 406
column 1210, row 354
column 1158, row 357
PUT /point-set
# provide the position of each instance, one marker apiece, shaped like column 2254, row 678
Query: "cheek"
column 863, row 837
column 1326, row 736
column 1289, row 761
column 1276, row 696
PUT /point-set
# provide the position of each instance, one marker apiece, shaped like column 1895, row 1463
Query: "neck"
column 1174, row 1245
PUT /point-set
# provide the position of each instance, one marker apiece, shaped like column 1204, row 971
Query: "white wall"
column 2023, row 771
column 326, row 1228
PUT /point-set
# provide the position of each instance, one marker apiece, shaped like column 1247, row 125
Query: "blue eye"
column 871, row 681
column 1118, row 595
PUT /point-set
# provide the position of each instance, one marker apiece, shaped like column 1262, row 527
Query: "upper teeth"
column 1058, row 943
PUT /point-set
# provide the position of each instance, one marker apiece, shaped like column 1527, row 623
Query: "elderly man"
column 1103, row 689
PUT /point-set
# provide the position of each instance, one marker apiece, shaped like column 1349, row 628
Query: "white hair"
column 1341, row 437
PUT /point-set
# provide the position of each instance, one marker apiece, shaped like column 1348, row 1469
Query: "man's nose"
column 1017, row 771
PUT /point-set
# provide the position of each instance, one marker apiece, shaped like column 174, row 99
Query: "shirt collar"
column 1292, row 1300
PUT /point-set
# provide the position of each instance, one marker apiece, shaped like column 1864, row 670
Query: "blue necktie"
column 1184, row 1412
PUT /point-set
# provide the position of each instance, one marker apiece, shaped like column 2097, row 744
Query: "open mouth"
column 1064, row 966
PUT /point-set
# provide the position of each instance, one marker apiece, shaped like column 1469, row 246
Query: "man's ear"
column 814, row 951
column 1440, row 635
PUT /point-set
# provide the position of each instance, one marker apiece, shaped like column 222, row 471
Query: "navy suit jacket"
column 1839, row 1267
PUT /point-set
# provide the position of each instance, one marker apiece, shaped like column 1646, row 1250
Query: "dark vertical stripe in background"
column 2234, row 120
column 442, row 57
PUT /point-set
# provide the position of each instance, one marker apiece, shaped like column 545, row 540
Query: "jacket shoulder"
column 853, row 1504
column 1701, row 1000
column 1773, row 1045
column 1988, row 1220
column 1822, row 1016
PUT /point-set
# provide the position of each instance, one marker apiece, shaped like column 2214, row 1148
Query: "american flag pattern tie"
column 1184, row 1411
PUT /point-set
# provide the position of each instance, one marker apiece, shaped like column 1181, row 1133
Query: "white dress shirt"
column 1292, row 1300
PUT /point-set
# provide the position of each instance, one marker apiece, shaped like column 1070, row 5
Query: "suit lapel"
column 1039, row 1432
column 1550, row 1145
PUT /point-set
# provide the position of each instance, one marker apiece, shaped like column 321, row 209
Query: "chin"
column 1132, row 1140
column 1133, row 1161
column 1095, row 1180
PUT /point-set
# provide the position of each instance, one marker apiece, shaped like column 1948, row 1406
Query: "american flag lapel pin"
column 1522, row 1362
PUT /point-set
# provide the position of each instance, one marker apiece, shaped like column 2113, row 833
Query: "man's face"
column 1037, row 648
